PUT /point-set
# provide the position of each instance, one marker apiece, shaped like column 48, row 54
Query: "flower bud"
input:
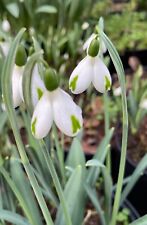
column 21, row 56
column 51, row 79
column 93, row 48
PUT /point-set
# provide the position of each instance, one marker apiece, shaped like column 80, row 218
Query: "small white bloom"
column 85, row 25
column 59, row 107
column 143, row 104
column 6, row 25
column 90, row 69
column 117, row 91
column 5, row 47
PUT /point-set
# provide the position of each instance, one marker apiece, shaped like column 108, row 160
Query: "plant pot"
column 137, row 196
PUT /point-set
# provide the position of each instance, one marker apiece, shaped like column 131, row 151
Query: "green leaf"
column 108, row 193
column 13, row 9
column 46, row 9
column 94, row 199
column 3, row 120
column 13, row 218
column 94, row 162
column 76, row 155
column 141, row 221
column 23, row 186
column 134, row 178
column 100, row 155
column 75, row 199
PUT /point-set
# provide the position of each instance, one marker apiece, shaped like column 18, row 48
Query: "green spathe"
column 51, row 79
column 73, row 83
column 21, row 56
column 75, row 124
column 93, row 48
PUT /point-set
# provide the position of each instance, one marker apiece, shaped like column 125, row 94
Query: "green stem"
column 121, row 76
column 57, row 184
column 107, row 125
column 60, row 155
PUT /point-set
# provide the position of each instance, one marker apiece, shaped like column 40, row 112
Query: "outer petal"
column 42, row 117
column 67, row 115
column 81, row 77
column 101, row 79
column 16, row 78
column 37, row 85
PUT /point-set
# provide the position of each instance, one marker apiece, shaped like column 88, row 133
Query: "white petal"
column 82, row 76
column 5, row 47
column 16, row 78
column 37, row 86
column 89, row 40
column 67, row 115
column 101, row 74
column 6, row 25
column 42, row 117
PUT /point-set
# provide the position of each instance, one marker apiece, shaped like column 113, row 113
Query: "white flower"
column 90, row 69
column 85, row 25
column 6, row 25
column 37, row 85
column 117, row 91
column 59, row 107
column 143, row 104
column 5, row 47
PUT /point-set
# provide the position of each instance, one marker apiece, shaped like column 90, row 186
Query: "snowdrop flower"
column 90, row 70
column 85, row 25
column 6, row 25
column 143, row 104
column 55, row 105
column 5, row 47
column 37, row 85
column 117, row 91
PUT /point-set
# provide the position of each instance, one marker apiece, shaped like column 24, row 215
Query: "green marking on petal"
column 33, row 128
column 75, row 124
column 107, row 83
column 40, row 93
column 73, row 83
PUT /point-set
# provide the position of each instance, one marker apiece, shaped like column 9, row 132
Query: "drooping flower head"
column 55, row 105
column 91, row 69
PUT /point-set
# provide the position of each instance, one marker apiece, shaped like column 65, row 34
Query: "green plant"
column 40, row 169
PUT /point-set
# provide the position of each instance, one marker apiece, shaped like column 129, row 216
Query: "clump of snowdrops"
column 40, row 178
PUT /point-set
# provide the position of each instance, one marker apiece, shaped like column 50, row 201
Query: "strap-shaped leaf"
column 134, row 178
column 76, row 155
column 13, row 218
column 141, row 221
column 75, row 199
column 100, row 154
